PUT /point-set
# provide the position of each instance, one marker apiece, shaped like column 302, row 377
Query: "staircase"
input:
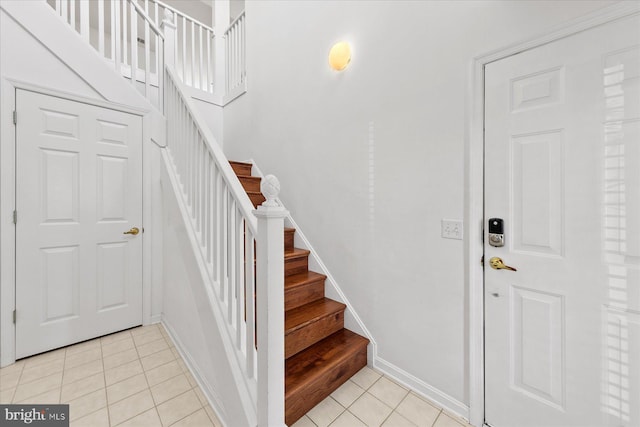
column 320, row 353
column 215, row 199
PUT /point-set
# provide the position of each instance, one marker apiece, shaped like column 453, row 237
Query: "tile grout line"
column 191, row 389
column 15, row 391
column 346, row 408
column 146, row 381
column 172, row 346
column 99, row 340
column 397, row 405
column 64, row 364
column 437, row 418
column 189, row 414
column 153, row 399
column 366, row 391
column 38, row 379
column 104, row 379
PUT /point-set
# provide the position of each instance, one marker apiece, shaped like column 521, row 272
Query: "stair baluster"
column 125, row 36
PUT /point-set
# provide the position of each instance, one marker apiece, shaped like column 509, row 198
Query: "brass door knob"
column 134, row 231
column 497, row 264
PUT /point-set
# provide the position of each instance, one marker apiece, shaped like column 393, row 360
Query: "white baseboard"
column 206, row 388
column 422, row 388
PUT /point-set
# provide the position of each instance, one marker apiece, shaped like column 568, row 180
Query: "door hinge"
column 15, row 117
column 14, row 316
column 15, row 217
column 482, row 261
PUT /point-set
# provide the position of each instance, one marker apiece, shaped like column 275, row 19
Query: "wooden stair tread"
column 296, row 253
column 241, row 168
column 312, row 363
column 234, row 162
column 250, row 183
column 302, row 279
column 289, row 230
column 304, row 315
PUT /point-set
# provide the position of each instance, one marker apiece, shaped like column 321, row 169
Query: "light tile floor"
column 137, row 378
column 131, row 378
column 370, row 399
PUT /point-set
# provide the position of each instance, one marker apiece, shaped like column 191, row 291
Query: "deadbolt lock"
column 496, row 232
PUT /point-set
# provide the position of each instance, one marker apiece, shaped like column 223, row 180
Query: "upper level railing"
column 194, row 48
column 125, row 34
column 235, row 58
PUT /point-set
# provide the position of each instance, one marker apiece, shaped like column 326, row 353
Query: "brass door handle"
column 497, row 264
column 134, row 231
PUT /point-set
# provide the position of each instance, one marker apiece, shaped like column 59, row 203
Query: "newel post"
column 270, row 306
column 169, row 31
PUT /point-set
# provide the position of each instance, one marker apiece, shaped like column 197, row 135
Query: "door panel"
column 79, row 187
column 562, row 168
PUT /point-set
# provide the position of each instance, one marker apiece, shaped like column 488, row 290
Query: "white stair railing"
column 126, row 33
column 235, row 58
column 123, row 33
column 228, row 234
column 193, row 48
column 232, row 238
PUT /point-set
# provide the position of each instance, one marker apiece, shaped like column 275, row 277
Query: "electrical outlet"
column 452, row 229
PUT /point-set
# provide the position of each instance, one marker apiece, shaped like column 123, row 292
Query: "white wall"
column 213, row 115
column 23, row 58
column 388, row 130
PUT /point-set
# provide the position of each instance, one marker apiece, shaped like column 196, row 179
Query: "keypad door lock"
column 496, row 232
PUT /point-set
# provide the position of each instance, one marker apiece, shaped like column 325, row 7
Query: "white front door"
column 78, row 188
column 562, row 169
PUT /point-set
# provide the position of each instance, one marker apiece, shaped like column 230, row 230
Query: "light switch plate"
column 452, row 229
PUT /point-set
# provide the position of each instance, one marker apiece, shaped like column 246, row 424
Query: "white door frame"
column 474, row 186
column 8, row 197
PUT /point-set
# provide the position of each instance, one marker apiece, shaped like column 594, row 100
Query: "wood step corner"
column 250, row 183
column 316, row 372
column 303, row 288
column 307, row 324
column 296, row 261
column 256, row 198
column 241, row 168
